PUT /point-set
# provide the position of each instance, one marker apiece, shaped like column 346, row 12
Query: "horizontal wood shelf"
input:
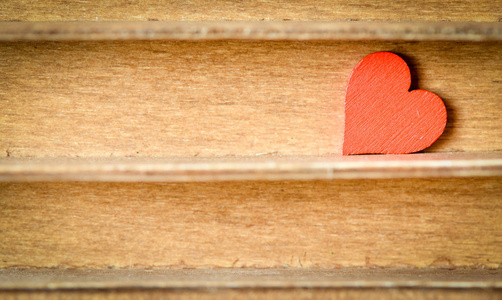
column 260, row 167
column 269, row 30
column 314, row 278
column 234, row 284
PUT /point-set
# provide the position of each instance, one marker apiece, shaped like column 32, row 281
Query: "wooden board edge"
column 251, row 30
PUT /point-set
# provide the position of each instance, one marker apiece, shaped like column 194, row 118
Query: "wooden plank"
column 341, row 294
column 341, row 223
column 221, row 10
column 168, row 98
column 271, row 30
column 262, row 167
column 242, row 278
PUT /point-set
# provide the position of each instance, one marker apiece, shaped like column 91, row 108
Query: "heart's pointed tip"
column 348, row 148
column 344, row 151
column 351, row 150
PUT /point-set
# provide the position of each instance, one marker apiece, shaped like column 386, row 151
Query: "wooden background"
column 164, row 98
column 143, row 100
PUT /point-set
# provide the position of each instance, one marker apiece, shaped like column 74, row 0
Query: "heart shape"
column 382, row 115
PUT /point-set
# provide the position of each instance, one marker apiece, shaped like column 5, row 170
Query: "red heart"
column 382, row 115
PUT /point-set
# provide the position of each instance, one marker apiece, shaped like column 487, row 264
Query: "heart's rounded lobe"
column 382, row 115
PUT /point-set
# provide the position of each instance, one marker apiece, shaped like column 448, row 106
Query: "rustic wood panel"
column 95, row 10
column 414, row 223
column 164, row 98
column 251, row 30
column 261, row 167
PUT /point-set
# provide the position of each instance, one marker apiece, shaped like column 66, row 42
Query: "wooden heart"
column 382, row 115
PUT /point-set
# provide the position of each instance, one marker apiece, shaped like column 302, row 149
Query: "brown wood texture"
column 362, row 223
column 261, row 167
column 242, row 278
column 270, row 30
column 95, row 10
column 341, row 294
column 167, row 98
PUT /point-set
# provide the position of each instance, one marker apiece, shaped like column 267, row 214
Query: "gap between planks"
column 271, row 30
column 270, row 167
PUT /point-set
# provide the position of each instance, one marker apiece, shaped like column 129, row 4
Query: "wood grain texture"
column 261, row 167
column 224, row 10
column 242, row 278
column 160, row 98
column 341, row 294
column 251, row 30
column 362, row 223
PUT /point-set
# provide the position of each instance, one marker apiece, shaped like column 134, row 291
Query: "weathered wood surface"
column 222, row 10
column 261, row 167
column 312, row 278
column 362, row 223
column 270, row 30
column 160, row 98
